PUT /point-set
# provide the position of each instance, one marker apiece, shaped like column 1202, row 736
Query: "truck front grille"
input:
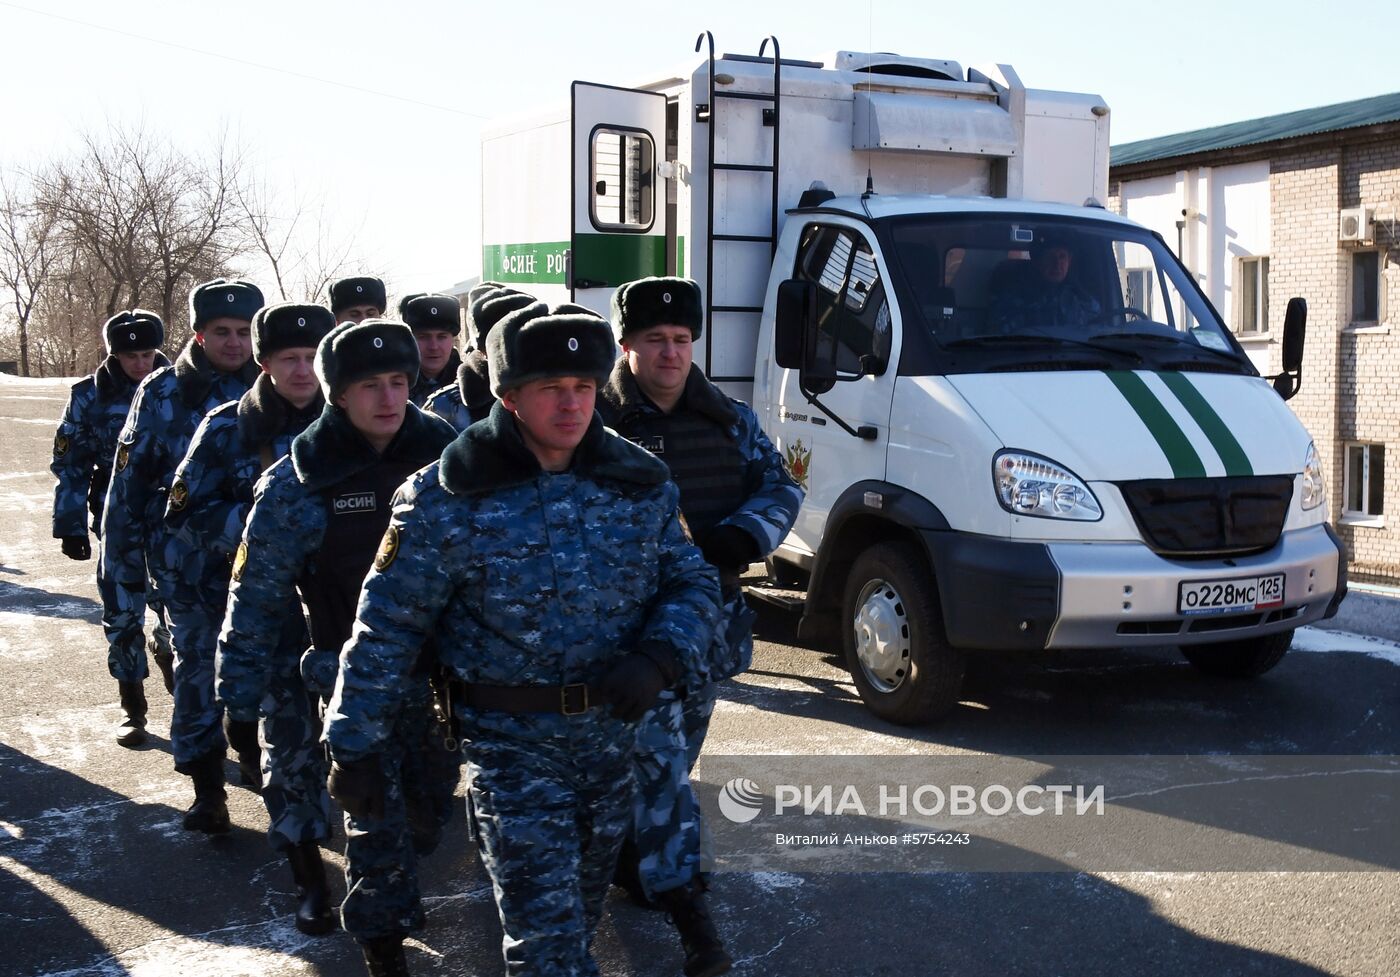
column 1209, row 517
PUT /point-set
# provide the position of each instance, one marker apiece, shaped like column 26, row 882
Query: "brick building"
column 1306, row 203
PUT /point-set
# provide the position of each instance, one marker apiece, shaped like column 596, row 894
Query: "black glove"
column 77, row 548
column 728, row 548
column 358, row 785
column 631, row 686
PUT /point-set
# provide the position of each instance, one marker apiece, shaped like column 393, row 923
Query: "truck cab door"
column 618, row 233
column 855, row 329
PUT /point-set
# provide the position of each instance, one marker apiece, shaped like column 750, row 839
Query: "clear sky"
column 379, row 105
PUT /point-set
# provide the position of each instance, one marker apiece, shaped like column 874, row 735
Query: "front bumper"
column 1023, row 596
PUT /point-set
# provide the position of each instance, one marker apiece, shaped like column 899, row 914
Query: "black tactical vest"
column 357, row 514
column 705, row 462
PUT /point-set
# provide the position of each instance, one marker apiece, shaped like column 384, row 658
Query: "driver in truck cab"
column 1041, row 293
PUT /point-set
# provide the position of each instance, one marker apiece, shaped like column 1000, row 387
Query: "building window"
column 1139, row 291
column 1364, row 492
column 1252, row 289
column 1365, row 286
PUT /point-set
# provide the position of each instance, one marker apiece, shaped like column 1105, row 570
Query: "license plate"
column 1224, row 596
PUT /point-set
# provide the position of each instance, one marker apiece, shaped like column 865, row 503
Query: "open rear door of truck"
column 618, row 197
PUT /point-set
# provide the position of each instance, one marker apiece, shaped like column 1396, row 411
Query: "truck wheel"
column 904, row 668
column 1243, row 658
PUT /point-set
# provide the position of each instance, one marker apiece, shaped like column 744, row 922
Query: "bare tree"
column 27, row 253
column 293, row 235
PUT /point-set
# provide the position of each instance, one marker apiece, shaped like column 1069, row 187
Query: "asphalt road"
column 96, row 877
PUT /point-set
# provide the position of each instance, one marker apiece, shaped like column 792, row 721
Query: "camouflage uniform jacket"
column 524, row 578
column 771, row 497
column 424, row 387
column 469, row 400
column 85, row 444
column 167, row 409
column 213, row 487
column 284, row 532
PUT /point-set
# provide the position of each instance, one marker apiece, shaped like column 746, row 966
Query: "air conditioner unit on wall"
column 1355, row 224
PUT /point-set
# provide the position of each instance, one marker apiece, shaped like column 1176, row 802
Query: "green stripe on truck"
column 608, row 258
column 1231, row 454
column 1182, row 457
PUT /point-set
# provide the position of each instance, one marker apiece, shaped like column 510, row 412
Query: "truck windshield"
column 984, row 293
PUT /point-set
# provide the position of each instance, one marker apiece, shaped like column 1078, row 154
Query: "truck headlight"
column 1029, row 485
column 1314, row 489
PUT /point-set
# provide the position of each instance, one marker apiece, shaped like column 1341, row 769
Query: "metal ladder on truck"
column 771, row 118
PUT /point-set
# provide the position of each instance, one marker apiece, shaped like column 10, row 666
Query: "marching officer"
column 469, row 400
column 739, row 503
column 547, row 558
column 357, row 299
column 83, row 449
column 209, row 501
column 213, row 368
column 316, row 521
column 436, row 321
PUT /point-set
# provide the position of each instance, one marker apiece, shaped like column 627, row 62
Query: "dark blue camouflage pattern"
column 167, row 408
column 528, row 578
column 284, row 533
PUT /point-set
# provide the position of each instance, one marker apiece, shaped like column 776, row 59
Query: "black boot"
column 627, row 876
column 384, row 956
column 209, row 812
column 131, row 732
column 243, row 737
column 314, row 917
column 165, row 664
column 705, row 955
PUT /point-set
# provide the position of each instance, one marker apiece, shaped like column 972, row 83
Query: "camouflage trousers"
column 552, row 815
column 294, row 763
column 126, row 646
column 381, row 879
column 667, row 828
column 196, row 724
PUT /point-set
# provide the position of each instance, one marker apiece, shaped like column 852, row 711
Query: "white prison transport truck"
column 1019, row 422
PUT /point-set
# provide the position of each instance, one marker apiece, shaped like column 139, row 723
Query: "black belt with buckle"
column 568, row 700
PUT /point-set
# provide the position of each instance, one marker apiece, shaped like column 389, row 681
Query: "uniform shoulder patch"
column 123, row 456
column 60, row 445
column 388, row 548
column 179, row 495
column 240, row 560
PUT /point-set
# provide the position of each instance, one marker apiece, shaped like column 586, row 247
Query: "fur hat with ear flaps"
column 289, row 325
column 651, row 302
column 223, row 299
column 489, row 308
column 431, row 310
column 355, row 350
column 133, row 331
column 535, row 343
column 350, row 292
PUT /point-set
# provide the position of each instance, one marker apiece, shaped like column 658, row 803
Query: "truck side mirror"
column 1295, row 322
column 797, row 306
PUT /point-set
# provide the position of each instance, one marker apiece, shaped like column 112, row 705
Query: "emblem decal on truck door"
column 799, row 462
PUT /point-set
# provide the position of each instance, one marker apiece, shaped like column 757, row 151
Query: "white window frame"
column 1361, row 517
column 1380, row 289
column 1256, row 267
